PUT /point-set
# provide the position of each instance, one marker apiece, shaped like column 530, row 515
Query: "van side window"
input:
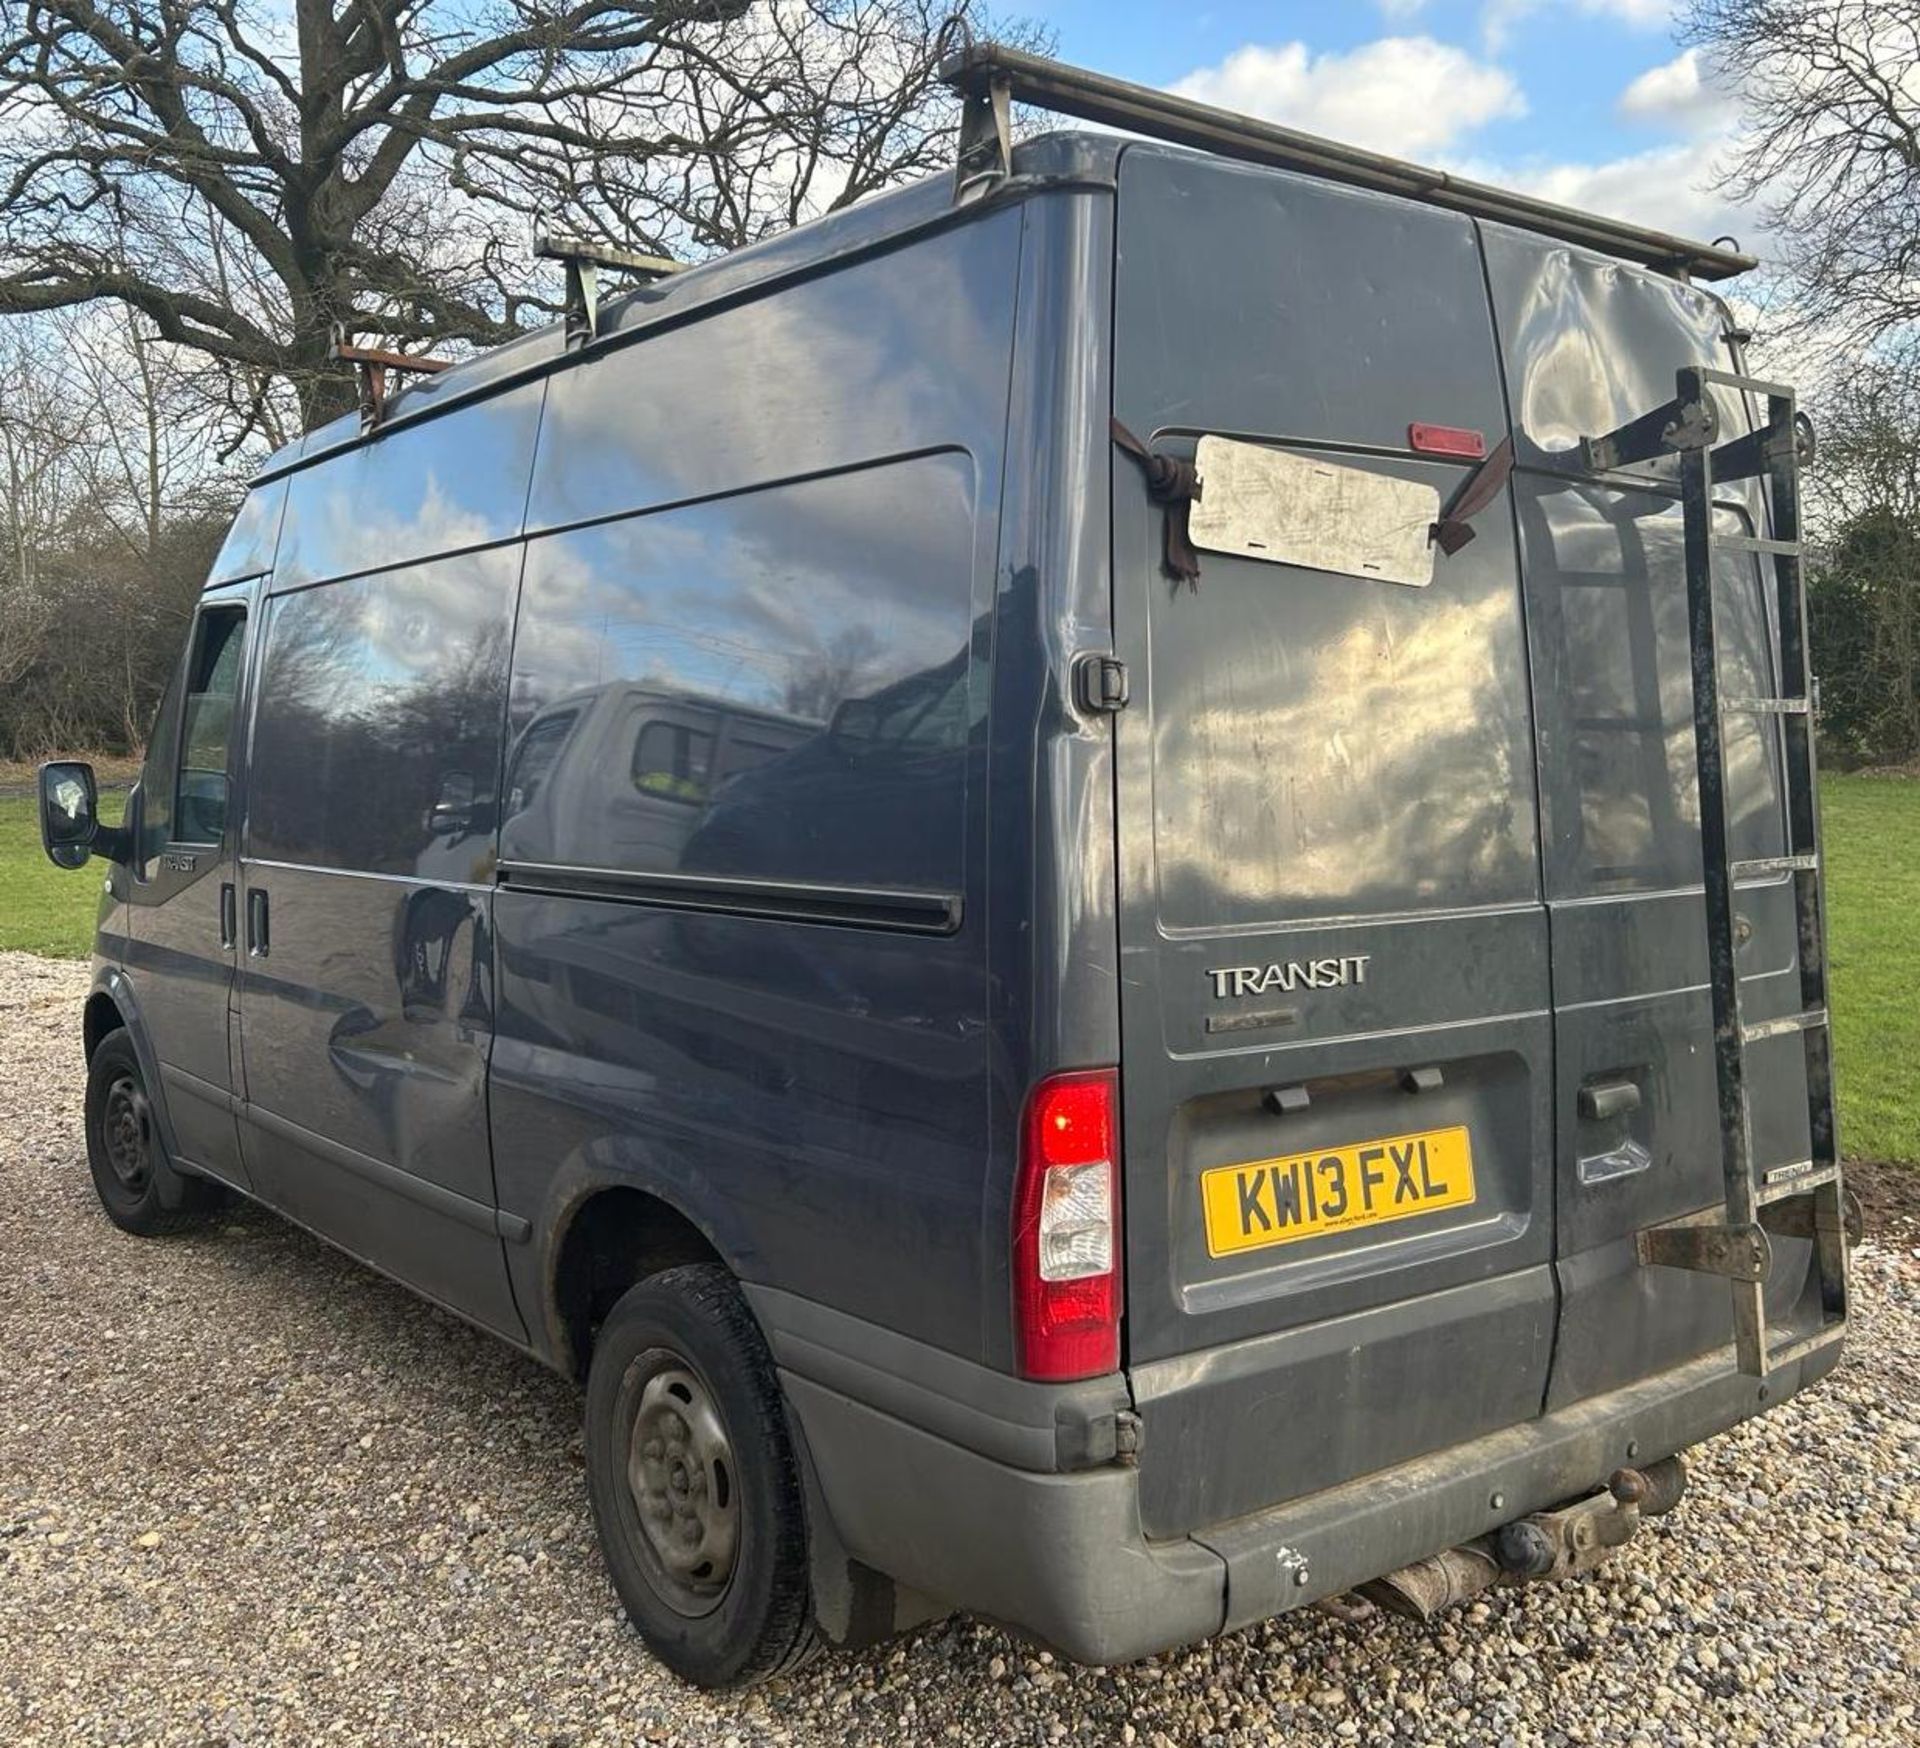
column 213, row 691
column 780, row 685
column 158, row 768
column 377, row 737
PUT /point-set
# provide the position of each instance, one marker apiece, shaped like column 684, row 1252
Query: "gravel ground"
column 251, row 1494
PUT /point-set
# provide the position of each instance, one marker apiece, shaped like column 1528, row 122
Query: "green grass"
column 1873, row 895
column 45, row 909
column 1872, row 827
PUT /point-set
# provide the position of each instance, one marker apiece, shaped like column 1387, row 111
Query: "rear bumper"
column 1061, row 1556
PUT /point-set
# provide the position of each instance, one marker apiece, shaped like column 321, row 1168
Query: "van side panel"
column 1054, row 989
column 750, row 703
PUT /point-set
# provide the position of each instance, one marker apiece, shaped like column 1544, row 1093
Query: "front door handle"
column 229, row 920
column 257, row 922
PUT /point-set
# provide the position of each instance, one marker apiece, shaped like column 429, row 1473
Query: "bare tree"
column 245, row 177
column 41, row 447
column 1864, row 596
column 109, row 511
column 1830, row 150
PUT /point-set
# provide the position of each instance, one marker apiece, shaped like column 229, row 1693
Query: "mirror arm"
column 114, row 843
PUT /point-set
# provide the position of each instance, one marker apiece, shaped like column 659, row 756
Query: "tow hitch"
column 1549, row 1544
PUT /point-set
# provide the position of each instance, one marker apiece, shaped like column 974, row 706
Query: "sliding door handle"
column 257, row 941
column 229, row 919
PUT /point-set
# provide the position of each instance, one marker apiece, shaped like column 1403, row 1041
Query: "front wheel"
column 696, row 1492
column 137, row 1185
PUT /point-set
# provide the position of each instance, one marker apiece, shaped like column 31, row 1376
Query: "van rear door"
column 1336, row 1015
column 1589, row 344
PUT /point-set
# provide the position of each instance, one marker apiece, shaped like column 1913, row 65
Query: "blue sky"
column 1592, row 102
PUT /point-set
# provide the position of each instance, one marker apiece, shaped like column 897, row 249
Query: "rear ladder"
column 1806, row 1198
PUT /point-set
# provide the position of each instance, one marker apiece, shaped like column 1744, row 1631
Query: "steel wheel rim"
column 684, row 1488
column 126, row 1134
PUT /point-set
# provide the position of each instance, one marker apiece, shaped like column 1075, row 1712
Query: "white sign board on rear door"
column 1286, row 508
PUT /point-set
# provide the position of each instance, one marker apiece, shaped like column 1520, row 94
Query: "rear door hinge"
column 1100, row 684
column 1126, row 1438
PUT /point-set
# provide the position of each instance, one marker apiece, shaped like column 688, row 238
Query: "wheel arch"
column 608, row 1238
column 101, row 1016
column 111, row 1005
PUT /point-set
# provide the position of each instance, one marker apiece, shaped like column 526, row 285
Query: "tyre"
column 696, row 1491
column 136, row 1183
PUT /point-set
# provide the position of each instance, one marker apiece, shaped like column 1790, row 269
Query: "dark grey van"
column 1099, row 882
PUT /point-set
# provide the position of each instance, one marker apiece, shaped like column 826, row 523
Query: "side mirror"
column 69, row 812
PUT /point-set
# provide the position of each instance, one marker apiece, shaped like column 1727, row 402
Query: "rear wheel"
column 695, row 1489
column 138, row 1187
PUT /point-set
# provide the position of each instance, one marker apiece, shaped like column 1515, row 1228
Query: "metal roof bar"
column 583, row 259
column 371, row 364
column 987, row 75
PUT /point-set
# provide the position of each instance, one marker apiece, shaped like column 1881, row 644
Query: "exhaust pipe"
column 1420, row 1591
column 1548, row 1544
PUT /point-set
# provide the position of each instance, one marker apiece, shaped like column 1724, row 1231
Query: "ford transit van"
column 1099, row 883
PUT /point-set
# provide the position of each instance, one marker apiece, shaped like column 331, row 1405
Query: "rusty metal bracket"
column 1741, row 1253
column 1690, row 420
column 371, row 365
column 1798, row 1217
column 1767, row 448
column 583, row 260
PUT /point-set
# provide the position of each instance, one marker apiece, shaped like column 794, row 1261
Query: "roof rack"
column 371, row 365
column 990, row 78
column 584, row 259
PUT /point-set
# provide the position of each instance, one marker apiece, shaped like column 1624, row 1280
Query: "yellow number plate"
column 1333, row 1189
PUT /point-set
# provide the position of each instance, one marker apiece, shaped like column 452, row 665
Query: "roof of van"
column 1065, row 157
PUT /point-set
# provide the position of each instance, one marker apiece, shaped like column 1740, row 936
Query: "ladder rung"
column 1760, row 543
column 1752, row 385
column 1803, row 1022
column 1769, row 706
column 1773, row 865
column 1787, row 1352
column 1799, row 1179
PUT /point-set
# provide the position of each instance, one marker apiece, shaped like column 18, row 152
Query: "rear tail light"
column 1066, row 1229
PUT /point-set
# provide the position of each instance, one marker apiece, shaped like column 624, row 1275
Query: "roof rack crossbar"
column 989, row 74
column 584, row 258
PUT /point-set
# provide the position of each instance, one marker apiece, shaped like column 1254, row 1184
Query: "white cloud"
column 1498, row 18
column 1641, row 14
column 1497, row 21
column 1405, row 94
column 1683, row 93
column 1668, row 188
